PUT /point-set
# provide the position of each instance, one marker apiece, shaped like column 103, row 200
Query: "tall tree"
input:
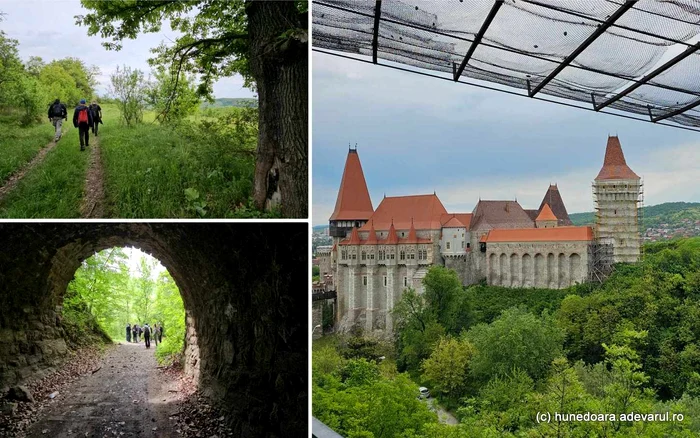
column 266, row 42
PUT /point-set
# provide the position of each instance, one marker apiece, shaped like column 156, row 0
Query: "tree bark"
column 279, row 64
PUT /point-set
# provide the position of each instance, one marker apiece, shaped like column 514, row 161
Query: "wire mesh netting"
column 636, row 57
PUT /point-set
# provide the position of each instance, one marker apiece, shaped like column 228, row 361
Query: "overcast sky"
column 416, row 135
column 47, row 28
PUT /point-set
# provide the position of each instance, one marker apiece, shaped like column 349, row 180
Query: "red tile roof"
column 566, row 234
column 412, row 236
column 354, row 238
column 500, row 214
column 392, row 238
column 372, row 237
column 424, row 211
column 556, row 203
column 353, row 201
column 546, row 214
column 615, row 166
column 456, row 220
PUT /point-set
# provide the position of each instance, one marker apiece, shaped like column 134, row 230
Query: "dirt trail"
column 127, row 397
column 94, row 200
column 16, row 177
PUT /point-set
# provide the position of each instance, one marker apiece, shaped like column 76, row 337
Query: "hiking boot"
column 82, row 148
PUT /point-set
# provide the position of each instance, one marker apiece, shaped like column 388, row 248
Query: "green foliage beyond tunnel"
column 113, row 288
column 495, row 357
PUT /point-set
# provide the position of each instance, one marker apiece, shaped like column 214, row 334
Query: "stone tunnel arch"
column 244, row 288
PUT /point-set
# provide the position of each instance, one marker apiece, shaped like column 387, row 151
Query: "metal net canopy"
column 637, row 57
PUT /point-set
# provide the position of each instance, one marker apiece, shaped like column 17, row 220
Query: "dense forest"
column 115, row 287
column 495, row 357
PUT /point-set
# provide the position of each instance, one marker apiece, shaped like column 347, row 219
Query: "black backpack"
column 56, row 110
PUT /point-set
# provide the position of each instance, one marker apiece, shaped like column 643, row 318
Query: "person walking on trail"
column 140, row 333
column 156, row 330
column 82, row 119
column 57, row 114
column 128, row 332
column 135, row 331
column 160, row 332
column 96, row 111
column 147, row 335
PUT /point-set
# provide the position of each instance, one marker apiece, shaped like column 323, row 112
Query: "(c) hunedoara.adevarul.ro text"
column 547, row 417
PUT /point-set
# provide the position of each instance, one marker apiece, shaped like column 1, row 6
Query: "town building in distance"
column 378, row 253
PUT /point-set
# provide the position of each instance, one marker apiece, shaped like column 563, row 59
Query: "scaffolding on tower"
column 640, row 220
column 601, row 254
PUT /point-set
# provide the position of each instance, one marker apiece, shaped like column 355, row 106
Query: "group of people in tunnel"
column 134, row 333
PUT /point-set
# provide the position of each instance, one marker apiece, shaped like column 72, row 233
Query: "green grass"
column 201, row 168
column 54, row 189
column 19, row 145
column 153, row 171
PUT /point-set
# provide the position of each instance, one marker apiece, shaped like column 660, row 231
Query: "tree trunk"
column 279, row 64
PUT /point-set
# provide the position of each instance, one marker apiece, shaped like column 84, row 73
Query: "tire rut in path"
column 126, row 397
column 16, row 177
column 93, row 205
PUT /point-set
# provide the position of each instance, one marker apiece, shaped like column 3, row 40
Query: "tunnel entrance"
column 121, row 291
column 244, row 288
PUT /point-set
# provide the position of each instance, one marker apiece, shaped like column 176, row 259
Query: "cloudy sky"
column 416, row 135
column 47, row 28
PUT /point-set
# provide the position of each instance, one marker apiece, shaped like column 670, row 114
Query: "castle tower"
column 353, row 207
column 617, row 191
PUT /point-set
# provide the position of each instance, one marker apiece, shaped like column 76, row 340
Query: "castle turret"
column 353, row 207
column 546, row 218
column 617, row 191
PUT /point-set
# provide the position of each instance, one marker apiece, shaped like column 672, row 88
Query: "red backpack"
column 83, row 116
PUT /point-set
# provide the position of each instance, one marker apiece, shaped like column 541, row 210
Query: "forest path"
column 16, row 177
column 93, row 206
column 126, row 397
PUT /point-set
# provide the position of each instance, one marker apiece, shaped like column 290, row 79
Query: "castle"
column 377, row 254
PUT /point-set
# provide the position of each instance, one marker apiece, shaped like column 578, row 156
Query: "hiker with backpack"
column 82, row 119
column 96, row 111
column 147, row 335
column 128, row 332
column 57, row 113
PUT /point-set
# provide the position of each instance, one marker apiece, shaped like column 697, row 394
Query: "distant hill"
column 671, row 219
column 239, row 102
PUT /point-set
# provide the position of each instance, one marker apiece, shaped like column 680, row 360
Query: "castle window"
column 405, row 282
column 364, row 280
column 402, row 255
column 371, row 256
column 392, row 255
column 467, row 244
column 420, row 255
column 447, row 245
column 344, row 255
column 462, row 244
column 381, row 254
column 385, row 281
column 364, row 255
column 354, row 256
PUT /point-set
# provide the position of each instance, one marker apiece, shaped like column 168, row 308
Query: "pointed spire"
column 392, row 238
column 412, row 235
column 354, row 237
column 353, row 201
column 614, row 165
column 556, row 204
column 372, row 238
column 546, row 214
